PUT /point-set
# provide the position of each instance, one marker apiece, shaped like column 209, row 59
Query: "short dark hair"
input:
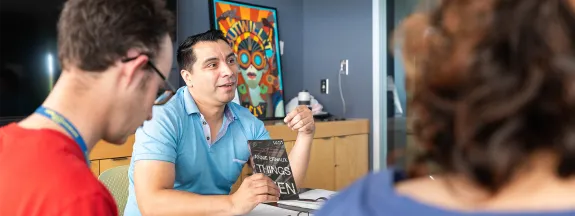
column 185, row 54
column 493, row 88
column 92, row 34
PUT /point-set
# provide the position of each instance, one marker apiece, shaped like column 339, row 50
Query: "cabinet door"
column 113, row 162
column 95, row 167
column 321, row 169
column 104, row 150
column 351, row 163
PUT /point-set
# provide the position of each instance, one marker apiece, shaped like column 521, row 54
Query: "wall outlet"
column 344, row 66
column 324, row 86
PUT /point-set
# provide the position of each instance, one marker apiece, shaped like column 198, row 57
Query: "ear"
column 130, row 69
column 187, row 76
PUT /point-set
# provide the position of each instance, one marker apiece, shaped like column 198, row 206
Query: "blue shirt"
column 178, row 134
column 374, row 195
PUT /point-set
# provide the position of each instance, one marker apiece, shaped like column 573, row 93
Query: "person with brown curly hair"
column 492, row 86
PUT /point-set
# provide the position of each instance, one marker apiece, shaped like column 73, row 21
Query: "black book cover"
column 271, row 158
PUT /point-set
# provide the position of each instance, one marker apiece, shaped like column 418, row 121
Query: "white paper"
column 317, row 193
column 311, row 194
column 268, row 210
column 303, row 204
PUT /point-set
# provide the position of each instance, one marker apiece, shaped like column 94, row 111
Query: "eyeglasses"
column 163, row 95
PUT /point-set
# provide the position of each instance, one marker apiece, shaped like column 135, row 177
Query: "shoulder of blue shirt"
column 367, row 196
column 374, row 195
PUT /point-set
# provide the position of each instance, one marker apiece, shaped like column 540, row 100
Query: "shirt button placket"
column 204, row 123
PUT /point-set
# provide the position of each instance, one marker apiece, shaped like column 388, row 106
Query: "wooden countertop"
column 322, row 129
column 277, row 130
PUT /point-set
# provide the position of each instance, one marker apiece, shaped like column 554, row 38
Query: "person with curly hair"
column 492, row 97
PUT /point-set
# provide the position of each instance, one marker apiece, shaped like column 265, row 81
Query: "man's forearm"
column 174, row 202
column 299, row 157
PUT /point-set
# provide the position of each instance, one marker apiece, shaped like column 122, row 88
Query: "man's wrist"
column 304, row 137
column 229, row 205
column 306, row 134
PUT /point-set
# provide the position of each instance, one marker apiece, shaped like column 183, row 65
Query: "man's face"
column 137, row 101
column 214, row 73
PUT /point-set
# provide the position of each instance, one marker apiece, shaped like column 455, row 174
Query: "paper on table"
column 317, row 193
column 302, row 204
column 267, row 210
column 311, row 194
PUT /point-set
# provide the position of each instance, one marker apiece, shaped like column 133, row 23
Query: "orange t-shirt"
column 44, row 172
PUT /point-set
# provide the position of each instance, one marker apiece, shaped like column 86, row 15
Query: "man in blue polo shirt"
column 186, row 159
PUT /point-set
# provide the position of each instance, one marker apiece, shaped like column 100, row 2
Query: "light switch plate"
column 344, row 67
column 324, row 86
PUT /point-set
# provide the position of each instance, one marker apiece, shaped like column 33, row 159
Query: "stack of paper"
column 317, row 193
column 268, row 210
column 302, row 204
column 311, row 194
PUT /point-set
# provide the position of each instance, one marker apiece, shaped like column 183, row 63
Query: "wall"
column 334, row 30
column 193, row 18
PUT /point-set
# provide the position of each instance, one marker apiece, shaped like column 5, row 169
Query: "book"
column 271, row 158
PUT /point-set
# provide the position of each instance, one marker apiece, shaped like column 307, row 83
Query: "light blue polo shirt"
column 204, row 165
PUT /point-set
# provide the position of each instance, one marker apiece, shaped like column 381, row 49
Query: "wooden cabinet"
column 321, row 168
column 105, row 155
column 106, row 164
column 95, row 167
column 99, row 166
column 351, row 159
column 336, row 162
column 338, row 157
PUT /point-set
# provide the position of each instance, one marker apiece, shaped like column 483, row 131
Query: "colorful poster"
column 252, row 31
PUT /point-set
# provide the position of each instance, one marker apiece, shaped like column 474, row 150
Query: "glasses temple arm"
column 162, row 76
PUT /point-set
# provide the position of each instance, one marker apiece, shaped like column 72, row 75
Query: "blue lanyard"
column 63, row 122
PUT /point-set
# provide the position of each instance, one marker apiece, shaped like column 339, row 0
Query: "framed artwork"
column 252, row 31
